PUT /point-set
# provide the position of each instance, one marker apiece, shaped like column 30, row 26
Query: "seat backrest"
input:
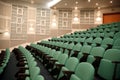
column 117, row 35
column 107, row 41
column 85, row 71
column 97, row 40
column 97, row 51
column 116, row 44
column 86, row 49
column 71, row 63
column 62, row 58
column 112, row 55
column 77, row 47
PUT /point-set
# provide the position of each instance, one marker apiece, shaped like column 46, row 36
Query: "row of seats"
column 106, row 43
column 28, row 69
column 4, row 58
column 95, row 56
column 100, row 56
column 60, row 65
column 112, row 35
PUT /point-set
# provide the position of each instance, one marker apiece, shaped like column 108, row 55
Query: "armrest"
column 54, row 60
column 23, row 68
column 23, row 75
column 68, row 72
column 116, row 62
column 59, row 65
column 48, row 56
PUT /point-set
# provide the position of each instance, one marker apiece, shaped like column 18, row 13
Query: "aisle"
column 11, row 69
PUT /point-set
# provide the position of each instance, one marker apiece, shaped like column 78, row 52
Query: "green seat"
column 88, row 41
column 76, row 50
column 107, row 43
column 117, row 35
column 70, row 65
column 108, row 69
column 83, row 54
column 84, row 71
column 95, row 56
column 116, row 44
column 96, row 42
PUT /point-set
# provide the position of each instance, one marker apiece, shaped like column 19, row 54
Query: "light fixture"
column 76, row 13
column 76, row 19
column 111, row 1
column 98, row 19
column 76, row 2
column 31, row 27
column 89, row 0
column 65, row 4
column 32, row 2
column 53, row 2
column 96, row 4
column 54, row 21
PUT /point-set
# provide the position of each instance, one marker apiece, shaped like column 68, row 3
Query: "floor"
column 11, row 70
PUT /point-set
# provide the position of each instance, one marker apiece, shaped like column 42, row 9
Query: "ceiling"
column 72, row 3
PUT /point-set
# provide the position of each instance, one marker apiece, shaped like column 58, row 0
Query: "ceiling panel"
column 72, row 4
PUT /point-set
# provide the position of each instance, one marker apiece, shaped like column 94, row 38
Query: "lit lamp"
column 76, row 19
column 31, row 27
column 54, row 21
column 98, row 18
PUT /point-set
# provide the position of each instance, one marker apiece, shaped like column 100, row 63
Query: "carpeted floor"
column 11, row 70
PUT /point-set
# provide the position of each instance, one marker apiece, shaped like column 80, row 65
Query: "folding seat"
column 81, row 40
column 5, row 60
column 116, row 44
column 93, row 35
column 106, row 30
column 113, row 29
column 96, row 42
column 88, row 41
column 53, row 60
column 107, row 43
column 69, row 48
column 47, row 57
column 69, row 67
column 95, row 56
column 100, row 30
column 101, row 35
column 63, row 47
column 109, row 68
column 83, row 54
column 58, row 65
column 117, row 35
column 76, row 49
column 109, row 34
column 84, row 71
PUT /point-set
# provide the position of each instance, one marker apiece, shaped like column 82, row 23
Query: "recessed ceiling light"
column 96, row 4
column 76, row 2
column 98, row 7
column 111, row 1
column 32, row 2
column 89, row 0
column 65, row 4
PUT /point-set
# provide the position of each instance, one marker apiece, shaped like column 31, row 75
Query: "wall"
column 7, row 31
column 5, row 18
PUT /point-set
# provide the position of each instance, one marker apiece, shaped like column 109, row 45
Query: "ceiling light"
column 65, row 4
column 53, row 2
column 96, row 4
column 98, row 7
column 32, row 2
column 76, row 2
column 89, row 0
column 111, row 1
column 76, row 8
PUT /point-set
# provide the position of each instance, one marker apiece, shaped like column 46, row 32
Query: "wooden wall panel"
column 111, row 17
